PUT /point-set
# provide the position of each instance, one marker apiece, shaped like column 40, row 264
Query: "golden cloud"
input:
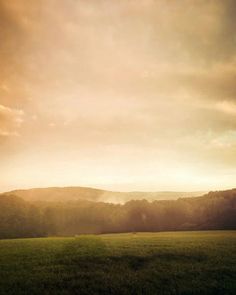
column 10, row 121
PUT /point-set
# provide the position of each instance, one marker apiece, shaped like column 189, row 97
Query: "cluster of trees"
column 20, row 218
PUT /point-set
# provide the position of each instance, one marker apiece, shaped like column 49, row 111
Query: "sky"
column 122, row 95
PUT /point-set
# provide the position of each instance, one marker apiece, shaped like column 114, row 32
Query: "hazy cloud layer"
column 122, row 94
column 10, row 121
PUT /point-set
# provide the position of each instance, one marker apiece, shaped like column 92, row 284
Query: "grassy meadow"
column 142, row 263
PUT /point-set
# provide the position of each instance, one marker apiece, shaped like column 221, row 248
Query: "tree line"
column 20, row 218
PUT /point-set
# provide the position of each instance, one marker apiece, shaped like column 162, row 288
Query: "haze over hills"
column 63, row 194
column 20, row 218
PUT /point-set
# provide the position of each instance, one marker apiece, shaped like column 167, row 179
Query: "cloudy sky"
column 123, row 95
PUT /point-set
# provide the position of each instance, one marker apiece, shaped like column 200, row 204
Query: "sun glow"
column 123, row 95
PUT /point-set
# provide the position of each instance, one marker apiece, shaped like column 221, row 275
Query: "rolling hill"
column 62, row 194
column 22, row 218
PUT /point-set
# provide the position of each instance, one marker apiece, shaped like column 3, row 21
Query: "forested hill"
column 21, row 218
column 61, row 194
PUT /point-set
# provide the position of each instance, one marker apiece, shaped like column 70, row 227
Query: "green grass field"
column 142, row 263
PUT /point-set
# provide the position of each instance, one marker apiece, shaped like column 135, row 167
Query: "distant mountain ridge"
column 62, row 194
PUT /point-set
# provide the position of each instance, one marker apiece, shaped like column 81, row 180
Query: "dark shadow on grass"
column 86, row 265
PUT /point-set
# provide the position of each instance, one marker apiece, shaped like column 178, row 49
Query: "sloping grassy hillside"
column 160, row 263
